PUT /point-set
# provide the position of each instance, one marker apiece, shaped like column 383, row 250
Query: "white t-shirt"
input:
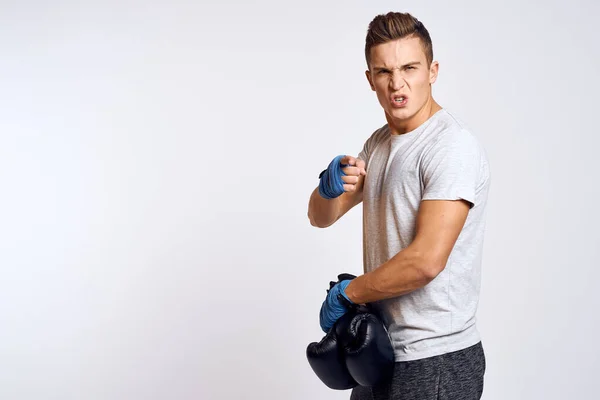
column 440, row 160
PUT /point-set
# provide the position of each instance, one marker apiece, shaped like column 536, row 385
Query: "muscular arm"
column 439, row 222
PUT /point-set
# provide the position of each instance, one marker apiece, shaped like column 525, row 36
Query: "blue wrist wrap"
column 331, row 184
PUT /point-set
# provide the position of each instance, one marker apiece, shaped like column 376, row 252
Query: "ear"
column 370, row 79
column 433, row 71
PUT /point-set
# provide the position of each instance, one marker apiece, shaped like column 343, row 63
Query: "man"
column 423, row 179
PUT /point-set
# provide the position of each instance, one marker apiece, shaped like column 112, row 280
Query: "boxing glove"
column 368, row 352
column 326, row 358
column 356, row 351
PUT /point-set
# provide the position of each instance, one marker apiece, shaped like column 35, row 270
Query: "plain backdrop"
column 156, row 161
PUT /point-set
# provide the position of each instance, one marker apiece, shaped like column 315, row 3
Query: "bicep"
column 450, row 169
column 438, row 225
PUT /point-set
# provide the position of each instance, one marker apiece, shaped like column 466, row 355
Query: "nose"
column 397, row 81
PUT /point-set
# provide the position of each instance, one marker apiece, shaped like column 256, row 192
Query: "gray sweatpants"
column 452, row 376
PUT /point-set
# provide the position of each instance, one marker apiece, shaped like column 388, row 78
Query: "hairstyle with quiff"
column 395, row 25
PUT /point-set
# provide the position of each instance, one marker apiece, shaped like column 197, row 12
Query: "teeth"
column 399, row 99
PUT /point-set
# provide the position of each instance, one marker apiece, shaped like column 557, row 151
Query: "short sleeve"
column 364, row 153
column 370, row 144
column 450, row 168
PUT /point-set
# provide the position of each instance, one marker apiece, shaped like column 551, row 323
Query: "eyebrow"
column 402, row 66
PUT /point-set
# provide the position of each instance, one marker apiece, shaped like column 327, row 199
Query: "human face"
column 399, row 74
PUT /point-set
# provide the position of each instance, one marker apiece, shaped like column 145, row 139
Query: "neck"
column 399, row 127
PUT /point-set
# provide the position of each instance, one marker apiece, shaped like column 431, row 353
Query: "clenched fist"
column 341, row 176
column 355, row 167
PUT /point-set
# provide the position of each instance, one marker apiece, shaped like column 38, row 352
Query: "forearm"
column 405, row 272
column 323, row 212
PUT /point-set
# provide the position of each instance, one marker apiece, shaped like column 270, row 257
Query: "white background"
column 156, row 161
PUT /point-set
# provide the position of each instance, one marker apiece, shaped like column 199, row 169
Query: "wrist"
column 344, row 285
column 350, row 292
column 331, row 184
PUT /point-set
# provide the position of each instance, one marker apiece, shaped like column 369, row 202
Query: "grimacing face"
column 400, row 76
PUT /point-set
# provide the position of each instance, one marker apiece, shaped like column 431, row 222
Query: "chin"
column 400, row 113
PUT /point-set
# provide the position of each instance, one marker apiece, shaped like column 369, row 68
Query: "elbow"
column 428, row 263
column 315, row 223
column 428, row 260
column 319, row 224
column 431, row 268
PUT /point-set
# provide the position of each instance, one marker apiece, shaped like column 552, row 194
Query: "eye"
column 410, row 67
column 383, row 72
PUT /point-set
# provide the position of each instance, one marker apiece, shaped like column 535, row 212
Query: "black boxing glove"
column 368, row 352
column 356, row 351
column 326, row 358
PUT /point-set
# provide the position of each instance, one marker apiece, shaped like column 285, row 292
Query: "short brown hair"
column 396, row 25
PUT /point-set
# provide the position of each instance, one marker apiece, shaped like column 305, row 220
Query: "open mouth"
column 399, row 100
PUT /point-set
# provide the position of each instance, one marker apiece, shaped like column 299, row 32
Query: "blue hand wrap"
column 331, row 184
column 333, row 308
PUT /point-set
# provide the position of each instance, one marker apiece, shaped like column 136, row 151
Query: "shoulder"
column 453, row 134
column 377, row 137
column 453, row 145
column 379, row 134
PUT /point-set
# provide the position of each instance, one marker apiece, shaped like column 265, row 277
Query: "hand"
column 355, row 168
column 340, row 176
column 335, row 305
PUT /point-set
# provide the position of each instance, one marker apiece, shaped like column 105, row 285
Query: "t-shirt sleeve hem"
column 455, row 195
